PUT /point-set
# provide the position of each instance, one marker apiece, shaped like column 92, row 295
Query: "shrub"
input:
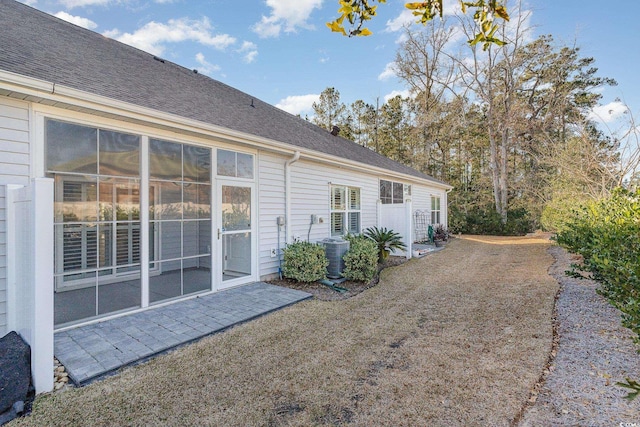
column 386, row 241
column 519, row 222
column 361, row 260
column 607, row 234
column 457, row 220
column 558, row 211
column 485, row 220
column 304, row 262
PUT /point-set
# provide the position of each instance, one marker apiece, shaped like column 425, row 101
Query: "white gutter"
column 78, row 98
column 287, row 195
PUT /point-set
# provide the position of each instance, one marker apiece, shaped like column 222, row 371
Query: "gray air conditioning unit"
column 335, row 250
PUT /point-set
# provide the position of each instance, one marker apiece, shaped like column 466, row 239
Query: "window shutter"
column 337, row 223
column 127, row 244
column 337, row 198
column 80, row 247
column 354, row 222
column 354, row 199
column 72, row 243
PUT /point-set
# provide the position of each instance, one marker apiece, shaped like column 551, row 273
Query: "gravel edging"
column 594, row 352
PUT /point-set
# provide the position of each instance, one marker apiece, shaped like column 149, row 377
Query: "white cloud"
column 70, row 4
column 112, row 34
column 298, row 104
column 402, row 37
column 205, row 66
column 402, row 93
column 249, row 57
column 78, row 20
column 401, row 21
column 287, row 16
column 451, row 7
column 249, row 50
column 29, row 2
column 153, row 35
column 608, row 113
column 389, row 71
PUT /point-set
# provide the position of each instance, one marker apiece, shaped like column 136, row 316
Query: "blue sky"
column 281, row 52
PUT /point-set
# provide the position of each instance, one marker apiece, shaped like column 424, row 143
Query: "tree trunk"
column 504, row 176
column 495, row 174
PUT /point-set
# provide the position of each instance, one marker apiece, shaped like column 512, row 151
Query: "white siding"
column 271, row 204
column 422, row 200
column 14, row 169
column 310, row 184
column 421, row 197
column 14, row 142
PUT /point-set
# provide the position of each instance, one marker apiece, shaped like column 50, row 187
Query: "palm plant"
column 386, row 240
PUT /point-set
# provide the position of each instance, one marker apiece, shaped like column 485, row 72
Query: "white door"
column 236, row 240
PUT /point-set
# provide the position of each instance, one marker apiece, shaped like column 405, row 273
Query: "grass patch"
column 458, row 337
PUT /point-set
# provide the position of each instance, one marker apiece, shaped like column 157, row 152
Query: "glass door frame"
column 219, row 233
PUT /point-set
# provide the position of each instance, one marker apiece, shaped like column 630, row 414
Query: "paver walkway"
column 91, row 351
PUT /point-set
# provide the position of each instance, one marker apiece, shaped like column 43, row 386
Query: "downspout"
column 287, row 195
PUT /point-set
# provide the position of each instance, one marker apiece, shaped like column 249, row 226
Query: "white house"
column 127, row 181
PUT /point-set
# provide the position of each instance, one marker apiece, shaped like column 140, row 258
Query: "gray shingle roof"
column 38, row 45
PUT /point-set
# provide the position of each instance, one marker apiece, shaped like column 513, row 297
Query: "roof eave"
column 41, row 91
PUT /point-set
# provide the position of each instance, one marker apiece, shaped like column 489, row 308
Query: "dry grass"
column 456, row 338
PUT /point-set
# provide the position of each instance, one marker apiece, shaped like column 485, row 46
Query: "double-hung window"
column 345, row 210
column 435, row 210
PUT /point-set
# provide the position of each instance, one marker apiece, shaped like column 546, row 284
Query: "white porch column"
column 42, row 253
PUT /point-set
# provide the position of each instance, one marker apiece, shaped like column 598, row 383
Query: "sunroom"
column 134, row 219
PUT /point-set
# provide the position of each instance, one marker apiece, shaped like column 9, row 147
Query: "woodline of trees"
column 509, row 126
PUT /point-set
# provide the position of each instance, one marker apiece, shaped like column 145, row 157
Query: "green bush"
column 607, row 234
column 557, row 212
column 304, row 262
column 361, row 260
column 519, row 222
column 485, row 220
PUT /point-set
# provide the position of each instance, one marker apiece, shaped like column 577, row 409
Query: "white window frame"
column 215, row 152
column 435, row 209
column 346, row 210
column 395, row 200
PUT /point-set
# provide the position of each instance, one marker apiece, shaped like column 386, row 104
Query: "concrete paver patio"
column 92, row 351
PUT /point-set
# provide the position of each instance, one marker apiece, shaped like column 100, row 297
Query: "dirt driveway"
column 456, row 338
